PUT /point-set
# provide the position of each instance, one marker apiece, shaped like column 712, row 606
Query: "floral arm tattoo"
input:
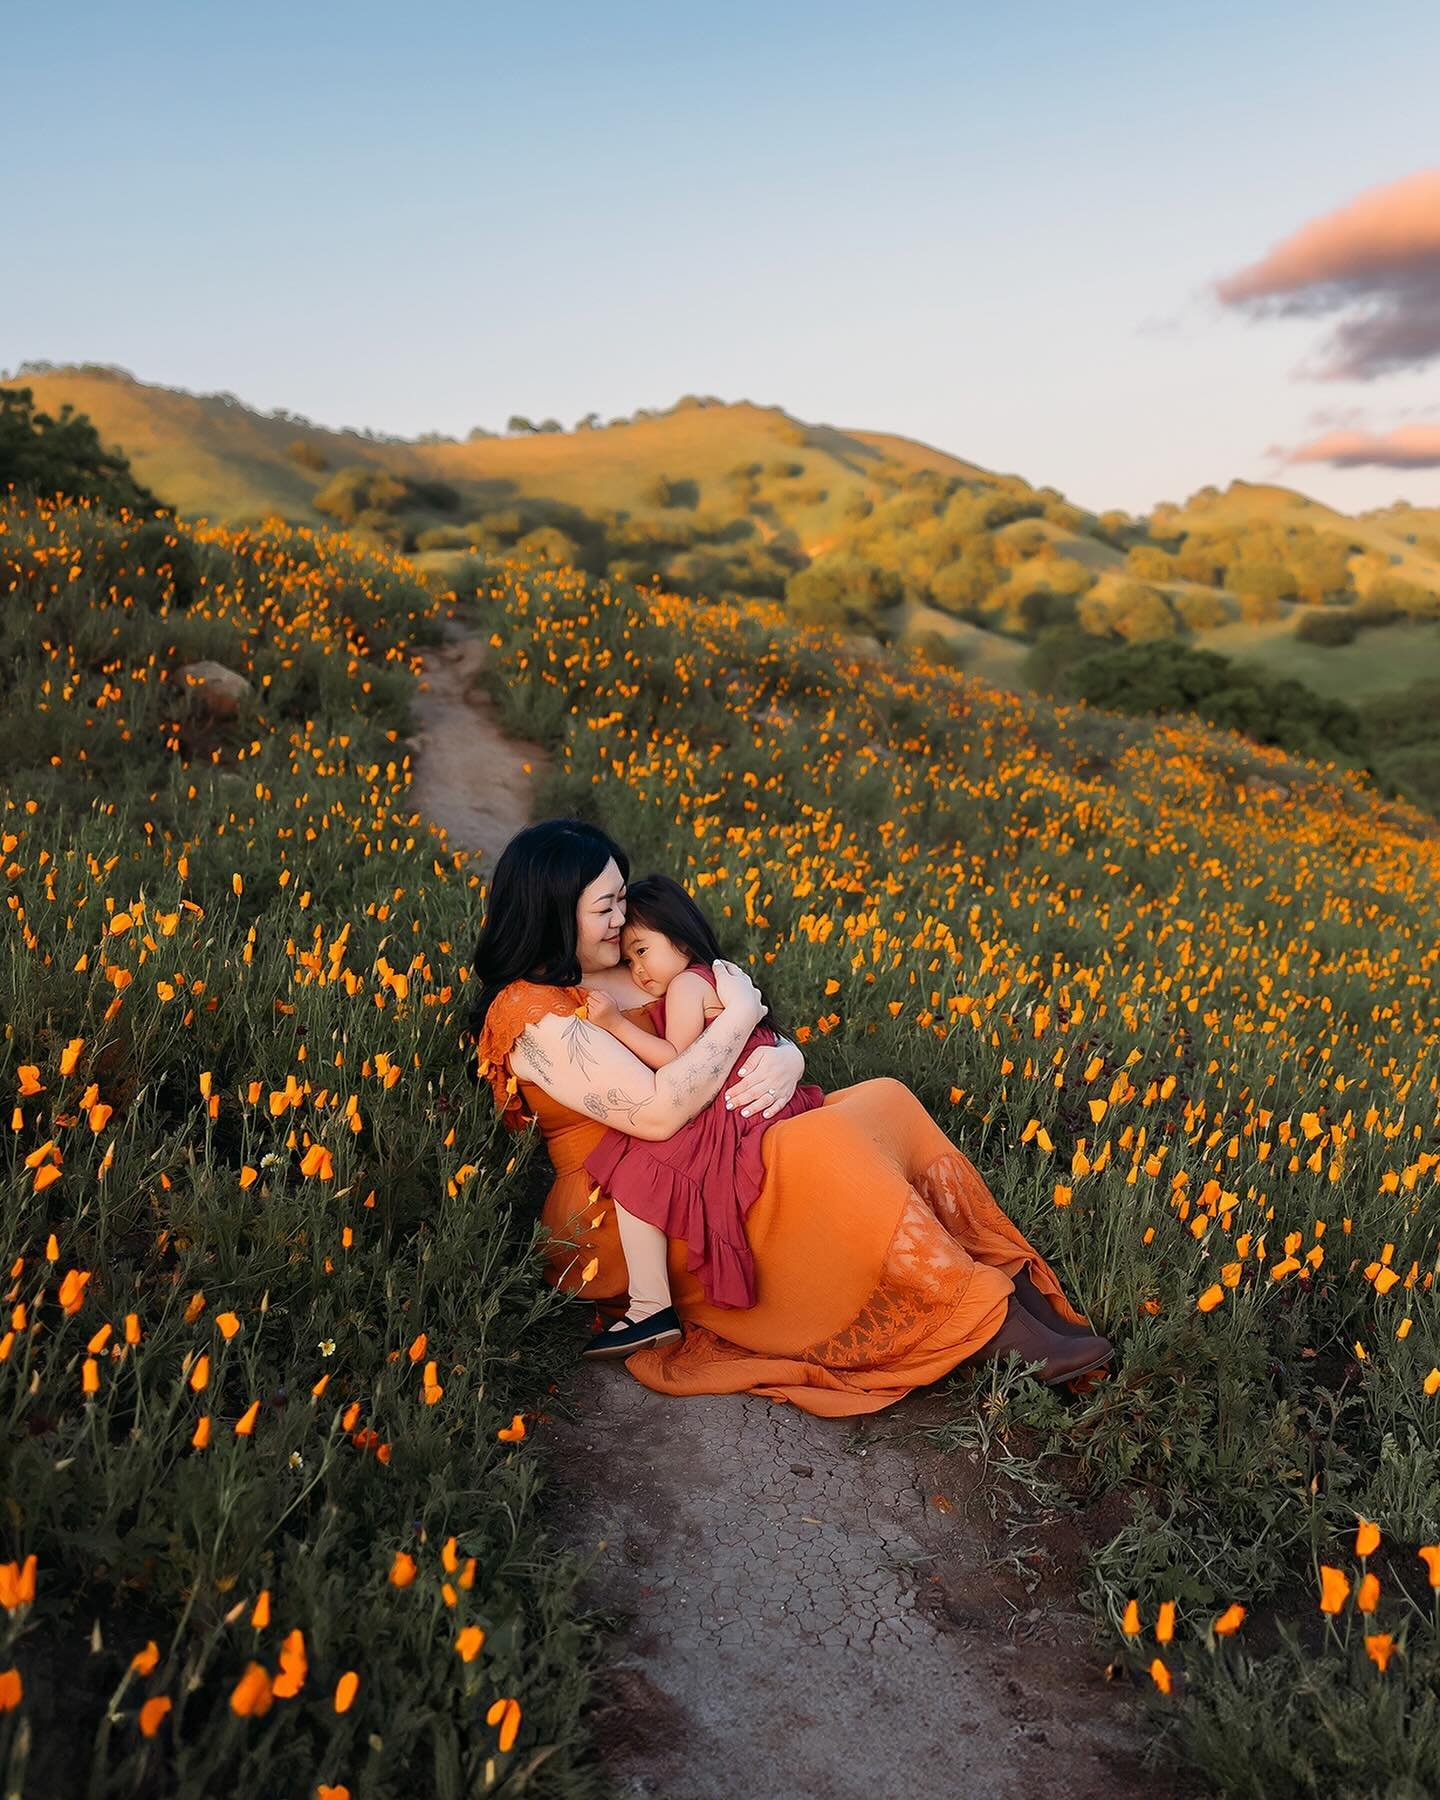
column 614, row 1099
column 700, row 1069
column 577, row 1042
column 535, row 1053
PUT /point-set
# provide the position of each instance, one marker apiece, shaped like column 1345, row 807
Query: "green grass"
column 1379, row 661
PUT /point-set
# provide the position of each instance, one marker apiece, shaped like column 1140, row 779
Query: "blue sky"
column 991, row 228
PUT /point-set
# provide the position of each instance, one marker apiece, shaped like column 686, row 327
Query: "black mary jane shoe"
column 640, row 1334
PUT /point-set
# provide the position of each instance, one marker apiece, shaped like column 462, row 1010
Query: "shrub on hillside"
column 1028, row 539
column 1199, row 610
column 1328, row 628
column 842, row 590
column 1373, row 610
column 963, row 586
column 1321, row 567
column 360, row 489
column 446, row 537
column 1141, row 614
column 549, row 544
column 667, row 492
column 307, row 455
column 1042, row 609
column 1261, row 581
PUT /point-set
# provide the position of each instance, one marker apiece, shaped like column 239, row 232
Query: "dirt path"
column 469, row 777
column 807, row 1609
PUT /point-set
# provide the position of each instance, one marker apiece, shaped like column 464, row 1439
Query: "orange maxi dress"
column 881, row 1257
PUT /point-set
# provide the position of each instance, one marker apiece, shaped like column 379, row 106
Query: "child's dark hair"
column 661, row 904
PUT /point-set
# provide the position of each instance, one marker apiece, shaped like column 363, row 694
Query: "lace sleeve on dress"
column 513, row 1008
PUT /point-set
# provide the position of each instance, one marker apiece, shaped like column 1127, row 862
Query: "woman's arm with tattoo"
column 590, row 1071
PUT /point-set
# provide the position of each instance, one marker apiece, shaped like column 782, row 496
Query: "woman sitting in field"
column 881, row 1259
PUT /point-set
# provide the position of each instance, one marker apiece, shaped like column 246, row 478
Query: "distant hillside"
column 858, row 528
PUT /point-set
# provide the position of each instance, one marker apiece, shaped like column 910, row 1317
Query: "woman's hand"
column 736, row 991
column 766, row 1079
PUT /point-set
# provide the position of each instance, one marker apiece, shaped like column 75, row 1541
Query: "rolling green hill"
column 862, row 529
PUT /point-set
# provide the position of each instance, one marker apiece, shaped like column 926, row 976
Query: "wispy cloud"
column 1373, row 265
column 1407, row 447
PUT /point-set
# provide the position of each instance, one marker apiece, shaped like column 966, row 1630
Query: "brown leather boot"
column 1040, row 1308
column 1062, row 1358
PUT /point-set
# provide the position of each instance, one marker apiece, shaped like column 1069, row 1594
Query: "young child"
column 699, row 1184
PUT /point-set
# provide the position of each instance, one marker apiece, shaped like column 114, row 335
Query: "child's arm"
column 654, row 1052
column 688, row 999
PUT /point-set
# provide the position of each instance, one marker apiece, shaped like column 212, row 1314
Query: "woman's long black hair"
column 529, row 931
column 662, row 904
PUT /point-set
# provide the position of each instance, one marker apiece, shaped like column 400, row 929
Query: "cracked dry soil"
column 804, row 1608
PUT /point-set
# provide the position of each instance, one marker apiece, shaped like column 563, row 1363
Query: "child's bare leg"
column 644, row 1247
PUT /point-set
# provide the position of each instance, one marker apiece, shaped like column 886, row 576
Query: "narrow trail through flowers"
column 826, row 1608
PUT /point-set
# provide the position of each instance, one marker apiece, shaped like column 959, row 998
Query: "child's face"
column 653, row 961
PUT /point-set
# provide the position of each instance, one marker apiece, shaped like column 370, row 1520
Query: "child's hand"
column 601, row 1010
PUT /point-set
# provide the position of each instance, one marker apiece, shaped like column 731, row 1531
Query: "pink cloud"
column 1407, row 447
column 1372, row 264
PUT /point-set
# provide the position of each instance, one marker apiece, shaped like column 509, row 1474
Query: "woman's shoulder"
column 518, row 1004
column 522, row 1003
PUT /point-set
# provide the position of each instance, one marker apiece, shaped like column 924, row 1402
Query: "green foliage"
column 446, row 537
column 362, row 489
column 964, row 586
column 1199, row 611
column 1403, row 730
column 45, row 456
column 1057, row 648
column 665, row 491
column 1328, row 628
column 1264, row 581
column 841, row 591
column 1147, row 562
column 275, row 880
column 1172, row 677
column 550, row 544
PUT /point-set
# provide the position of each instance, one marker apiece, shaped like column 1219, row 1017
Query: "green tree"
column 964, row 585
column 842, row 590
column 1200, row 610
column 360, row 490
column 1141, row 614
column 44, row 456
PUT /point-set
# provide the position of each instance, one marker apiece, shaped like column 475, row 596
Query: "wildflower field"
column 276, row 1329
column 1176, row 996
column 273, row 1329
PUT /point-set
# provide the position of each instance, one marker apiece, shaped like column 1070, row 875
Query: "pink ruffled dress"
column 698, row 1185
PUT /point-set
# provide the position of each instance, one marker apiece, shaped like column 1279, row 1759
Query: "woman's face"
column 599, row 917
